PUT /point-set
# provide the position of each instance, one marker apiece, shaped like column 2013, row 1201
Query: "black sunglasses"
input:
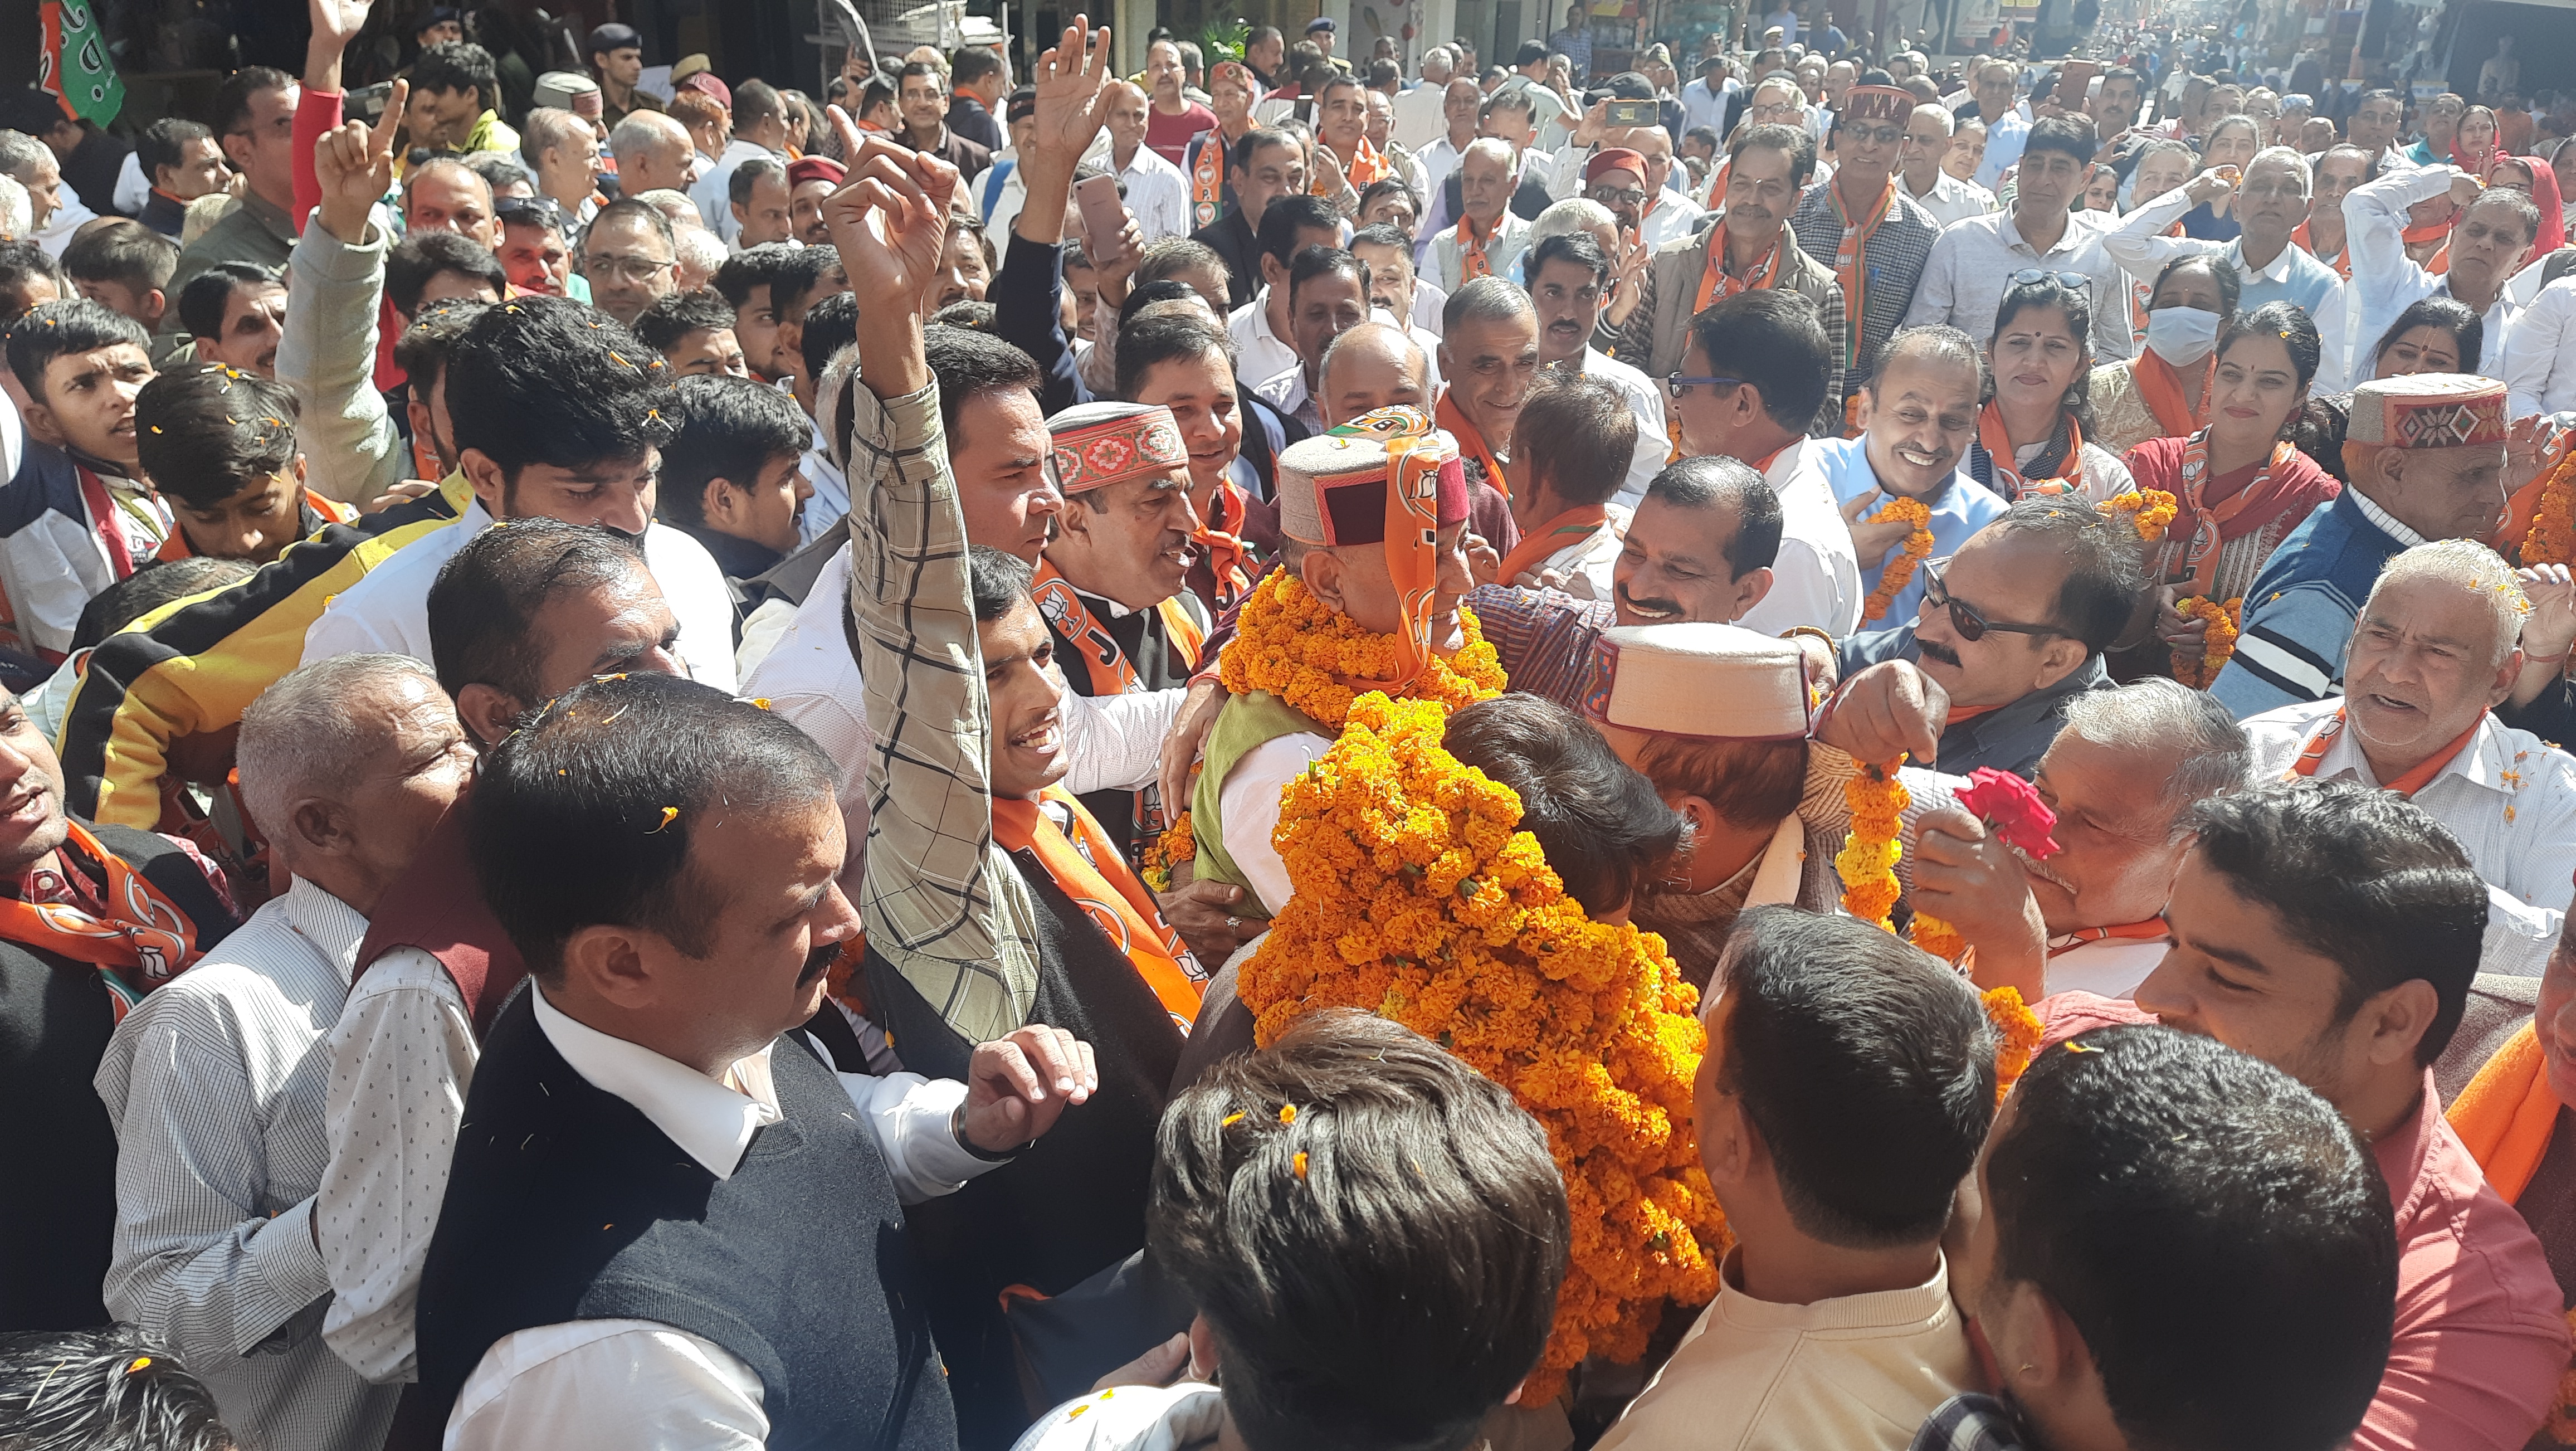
column 1970, row 625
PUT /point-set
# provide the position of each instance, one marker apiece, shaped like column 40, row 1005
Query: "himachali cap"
column 815, row 168
column 1099, row 444
column 1702, row 680
column 1333, row 488
column 2428, row 410
column 1878, row 103
column 568, row 91
column 1617, row 158
column 708, row 84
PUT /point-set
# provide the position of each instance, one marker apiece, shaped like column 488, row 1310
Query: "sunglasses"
column 1964, row 618
column 1677, row 385
column 2071, row 281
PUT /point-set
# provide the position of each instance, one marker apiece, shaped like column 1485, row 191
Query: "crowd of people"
column 1304, row 750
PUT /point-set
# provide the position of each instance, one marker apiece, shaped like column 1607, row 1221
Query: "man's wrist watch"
column 957, row 1131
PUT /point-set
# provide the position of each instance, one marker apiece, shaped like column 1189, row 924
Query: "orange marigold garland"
column 2552, row 539
column 2017, row 1036
column 2152, row 510
column 1899, row 569
column 2217, row 647
column 1420, row 899
column 1175, row 846
column 1318, row 659
column 1867, row 861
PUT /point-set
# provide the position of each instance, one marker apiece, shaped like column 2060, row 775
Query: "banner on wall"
column 75, row 68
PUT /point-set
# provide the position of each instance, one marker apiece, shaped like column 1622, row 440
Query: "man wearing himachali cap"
column 1862, row 225
column 1346, row 533
column 1112, row 584
column 2426, row 455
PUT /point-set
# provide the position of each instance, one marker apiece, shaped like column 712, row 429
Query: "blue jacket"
column 2299, row 615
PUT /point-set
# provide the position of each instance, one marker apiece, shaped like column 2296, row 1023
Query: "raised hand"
column 2550, row 628
column 355, row 166
column 1870, row 542
column 1073, row 96
column 889, row 221
column 335, row 24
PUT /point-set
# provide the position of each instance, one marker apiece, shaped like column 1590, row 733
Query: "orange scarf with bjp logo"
column 1099, row 882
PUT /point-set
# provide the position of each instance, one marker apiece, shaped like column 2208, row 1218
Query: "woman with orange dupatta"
column 2163, row 392
column 2514, row 1120
column 2032, row 436
column 2239, row 486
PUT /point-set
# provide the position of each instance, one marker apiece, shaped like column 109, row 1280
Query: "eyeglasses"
column 1677, row 385
column 626, row 269
column 1617, row 196
column 1873, row 135
column 1970, row 625
column 2071, row 281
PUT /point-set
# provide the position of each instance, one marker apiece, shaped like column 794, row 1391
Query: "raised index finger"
column 380, row 141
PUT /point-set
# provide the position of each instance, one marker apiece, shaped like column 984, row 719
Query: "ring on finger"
column 1232, row 923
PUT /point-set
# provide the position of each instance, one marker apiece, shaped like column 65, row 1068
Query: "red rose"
column 2010, row 807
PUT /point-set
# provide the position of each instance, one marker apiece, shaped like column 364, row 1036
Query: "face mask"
column 2182, row 335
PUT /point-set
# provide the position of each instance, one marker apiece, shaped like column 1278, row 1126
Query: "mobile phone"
column 1631, row 113
column 2073, row 79
column 1103, row 218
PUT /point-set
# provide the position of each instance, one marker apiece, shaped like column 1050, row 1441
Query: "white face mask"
column 2182, row 335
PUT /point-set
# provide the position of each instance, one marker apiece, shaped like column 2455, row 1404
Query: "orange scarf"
column 1471, row 247
column 1368, row 167
column 1999, row 446
column 2161, row 387
column 2313, row 754
column 1110, row 672
column 138, row 940
column 1415, row 458
column 1229, row 559
column 2140, row 294
column 2341, row 262
column 2126, row 931
column 1207, row 179
column 1716, row 284
column 2200, row 553
column 332, row 511
column 1470, row 439
column 1567, row 528
column 2507, row 1113
column 1847, row 261
column 1107, row 892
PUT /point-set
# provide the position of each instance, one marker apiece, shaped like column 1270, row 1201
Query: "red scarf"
column 107, row 520
column 1716, row 284
column 2208, row 522
column 1570, row 527
column 1108, row 893
column 1106, row 665
column 136, row 937
column 2161, row 387
column 2313, row 754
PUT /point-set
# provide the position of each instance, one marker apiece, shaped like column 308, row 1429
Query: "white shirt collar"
column 2386, row 521
column 333, row 927
column 2480, row 763
column 710, row 1120
column 2275, row 271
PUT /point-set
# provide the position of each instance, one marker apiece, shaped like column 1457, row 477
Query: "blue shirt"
column 1961, row 508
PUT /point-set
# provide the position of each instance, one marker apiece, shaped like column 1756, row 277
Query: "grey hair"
column 548, row 126
column 17, row 210
column 2298, row 163
column 2156, row 717
column 697, row 249
column 2469, row 565
column 20, row 151
column 641, row 131
column 302, row 736
column 1491, row 146
column 1949, row 123
column 1484, row 299
column 2159, row 147
column 1574, row 214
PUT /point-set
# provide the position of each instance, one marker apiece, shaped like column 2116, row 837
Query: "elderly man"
column 1875, row 238
column 1418, row 108
column 1156, row 193
column 1974, row 261
column 563, row 149
column 2433, row 652
column 1992, row 84
column 1569, row 279
column 1328, row 295
column 2490, row 239
column 1750, row 249
column 2122, row 776
column 2271, row 207
column 653, row 153
column 2331, row 930
column 628, row 256
column 2425, row 453
column 1489, row 235
column 215, row 1084
column 1489, row 354
column 2013, row 627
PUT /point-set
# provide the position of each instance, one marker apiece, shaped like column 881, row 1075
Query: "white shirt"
column 811, row 680
column 2004, row 141
column 2508, row 796
column 1249, row 801
column 1259, row 353
column 1438, row 159
column 2385, row 281
column 1586, row 565
column 713, row 190
column 1973, row 261
column 1674, row 216
column 1950, row 199
column 1815, row 579
column 1430, row 300
column 1419, row 116
column 1449, row 252
column 1157, row 194
column 389, row 609
column 214, row 1085
column 1854, row 1372
column 615, row 1385
column 1646, row 400
column 2111, row 966
column 2539, row 361
column 1704, row 107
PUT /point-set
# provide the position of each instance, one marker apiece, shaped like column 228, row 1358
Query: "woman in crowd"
column 2101, row 190
column 2473, row 145
column 2164, row 391
column 2239, row 485
column 2437, row 334
column 2232, row 142
column 2031, row 436
column 2533, row 177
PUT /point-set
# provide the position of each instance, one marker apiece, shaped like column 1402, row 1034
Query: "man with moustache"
column 1328, row 295
column 1569, row 277
column 1751, row 249
column 1489, row 354
column 2338, row 170
column 1875, row 238
column 1916, row 418
column 1489, row 235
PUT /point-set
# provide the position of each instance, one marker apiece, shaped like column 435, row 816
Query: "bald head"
column 1371, row 366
